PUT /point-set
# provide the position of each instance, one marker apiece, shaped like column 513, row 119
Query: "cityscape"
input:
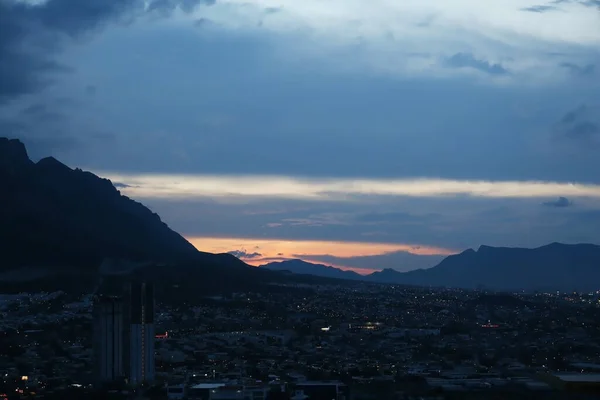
column 299, row 199
column 344, row 341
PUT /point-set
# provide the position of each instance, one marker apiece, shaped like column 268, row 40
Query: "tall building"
column 141, row 333
column 109, row 331
column 124, row 335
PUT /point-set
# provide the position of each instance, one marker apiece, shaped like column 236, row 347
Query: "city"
column 299, row 199
column 346, row 341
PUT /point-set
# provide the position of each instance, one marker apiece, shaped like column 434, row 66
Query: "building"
column 176, row 392
column 225, row 391
column 141, row 333
column 124, row 335
column 575, row 383
column 334, row 390
column 109, row 329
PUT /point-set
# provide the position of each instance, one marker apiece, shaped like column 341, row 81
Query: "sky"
column 360, row 134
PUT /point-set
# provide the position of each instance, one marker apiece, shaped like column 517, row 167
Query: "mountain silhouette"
column 552, row 267
column 69, row 220
column 306, row 268
column 55, row 216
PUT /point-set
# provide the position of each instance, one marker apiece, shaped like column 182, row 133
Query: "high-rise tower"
column 124, row 334
column 141, row 333
column 109, row 328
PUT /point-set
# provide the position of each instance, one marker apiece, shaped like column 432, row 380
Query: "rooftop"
column 208, row 385
column 579, row 377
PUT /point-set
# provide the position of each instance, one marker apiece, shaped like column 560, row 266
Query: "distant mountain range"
column 553, row 267
column 67, row 229
column 306, row 268
column 68, row 221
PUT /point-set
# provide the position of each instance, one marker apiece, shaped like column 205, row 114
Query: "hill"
column 69, row 222
column 52, row 216
column 306, row 268
column 67, row 229
column 553, row 267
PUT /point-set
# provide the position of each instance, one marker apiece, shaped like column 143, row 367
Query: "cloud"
column 458, row 223
column 271, row 247
column 591, row 3
column 120, row 185
column 202, row 22
column 31, row 34
column 584, row 129
column 201, row 124
column 386, row 140
column 580, row 124
column 90, row 90
column 356, row 190
column 573, row 115
column 42, row 113
column 394, row 217
column 539, row 8
column 579, row 71
column 466, row 60
column 355, row 255
column 244, row 255
column 386, row 36
column 561, row 202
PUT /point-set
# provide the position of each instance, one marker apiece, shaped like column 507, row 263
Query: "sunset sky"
column 361, row 257
column 365, row 134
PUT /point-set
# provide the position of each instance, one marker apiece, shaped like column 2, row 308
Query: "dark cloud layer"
column 302, row 120
column 580, row 124
column 578, row 70
column 30, row 35
column 539, row 8
column 459, row 224
column 467, row 60
column 561, row 202
column 586, row 3
column 244, row 254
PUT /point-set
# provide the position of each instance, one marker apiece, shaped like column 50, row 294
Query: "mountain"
column 306, row 268
column 553, row 267
column 70, row 221
column 386, row 275
column 63, row 218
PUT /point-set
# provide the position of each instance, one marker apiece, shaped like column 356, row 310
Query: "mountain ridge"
column 71, row 220
column 54, row 216
column 298, row 266
column 552, row 266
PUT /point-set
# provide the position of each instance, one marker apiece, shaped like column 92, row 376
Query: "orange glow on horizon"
column 263, row 251
column 261, row 261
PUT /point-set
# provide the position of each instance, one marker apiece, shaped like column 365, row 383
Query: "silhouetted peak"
column 298, row 266
column 483, row 249
column 296, row 261
column 555, row 245
column 468, row 251
column 51, row 163
column 387, row 271
column 75, row 180
column 293, row 263
column 13, row 153
column 62, row 216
